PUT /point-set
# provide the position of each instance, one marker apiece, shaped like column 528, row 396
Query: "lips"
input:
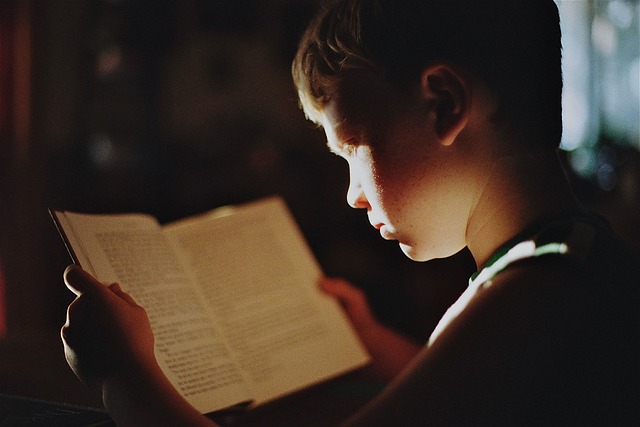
column 381, row 227
column 384, row 232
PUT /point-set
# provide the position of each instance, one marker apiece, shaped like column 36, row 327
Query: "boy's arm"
column 109, row 345
column 390, row 351
column 521, row 353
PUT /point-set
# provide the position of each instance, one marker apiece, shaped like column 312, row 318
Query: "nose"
column 355, row 196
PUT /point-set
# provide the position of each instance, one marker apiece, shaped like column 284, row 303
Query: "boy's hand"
column 108, row 343
column 106, row 334
column 390, row 351
column 354, row 302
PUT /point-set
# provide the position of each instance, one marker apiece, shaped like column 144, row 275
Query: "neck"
column 518, row 190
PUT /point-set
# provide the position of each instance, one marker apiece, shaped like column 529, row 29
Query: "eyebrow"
column 338, row 146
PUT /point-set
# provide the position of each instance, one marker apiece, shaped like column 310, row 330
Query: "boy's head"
column 511, row 45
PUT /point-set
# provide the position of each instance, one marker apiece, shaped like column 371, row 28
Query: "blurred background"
column 173, row 107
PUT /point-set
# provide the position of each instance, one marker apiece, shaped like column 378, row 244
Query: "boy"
column 448, row 115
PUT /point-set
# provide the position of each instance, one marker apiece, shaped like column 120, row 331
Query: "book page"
column 261, row 283
column 131, row 250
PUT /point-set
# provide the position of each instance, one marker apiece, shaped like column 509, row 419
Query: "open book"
column 232, row 296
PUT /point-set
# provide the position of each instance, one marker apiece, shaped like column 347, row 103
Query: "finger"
column 67, row 345
column 342, row 290
column 74, row 325
column 351, row 298
column 79, row 281
column 66, row 333
column 116, row 289
column 64, row 336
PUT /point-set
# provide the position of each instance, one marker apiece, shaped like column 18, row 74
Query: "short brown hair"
column 512, row 45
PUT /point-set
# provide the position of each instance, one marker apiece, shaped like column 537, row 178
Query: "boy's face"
column 399, row 172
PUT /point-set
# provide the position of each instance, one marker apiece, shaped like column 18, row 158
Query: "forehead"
column 359, row 94
column 333, row 125
column 361, row 99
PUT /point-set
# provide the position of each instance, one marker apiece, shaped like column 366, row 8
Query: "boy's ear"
column 448, row 91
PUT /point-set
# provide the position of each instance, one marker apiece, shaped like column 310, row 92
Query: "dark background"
column 173, row 107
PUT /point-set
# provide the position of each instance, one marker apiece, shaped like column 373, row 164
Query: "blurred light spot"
column 620, row 13
column 102, row 151
column 607, row 177
column 583, row 162
column 109, row 62
column 607, row 155
column 603, row 35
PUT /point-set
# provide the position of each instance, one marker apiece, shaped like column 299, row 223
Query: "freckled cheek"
column 392, row 190
column 396, row 174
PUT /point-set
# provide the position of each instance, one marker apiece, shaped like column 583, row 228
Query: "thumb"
column 116, row 289
column 79, row 281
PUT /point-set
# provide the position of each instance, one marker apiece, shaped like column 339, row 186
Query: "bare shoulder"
column 560, row 299
column 532, row 348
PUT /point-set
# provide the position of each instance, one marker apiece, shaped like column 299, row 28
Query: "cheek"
column 406, row 157
column 397, row 179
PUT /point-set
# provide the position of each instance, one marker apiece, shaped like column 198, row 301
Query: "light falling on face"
column 398, row 171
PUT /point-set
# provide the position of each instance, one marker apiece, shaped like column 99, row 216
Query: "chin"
column 417, row 254
column 414, row 254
